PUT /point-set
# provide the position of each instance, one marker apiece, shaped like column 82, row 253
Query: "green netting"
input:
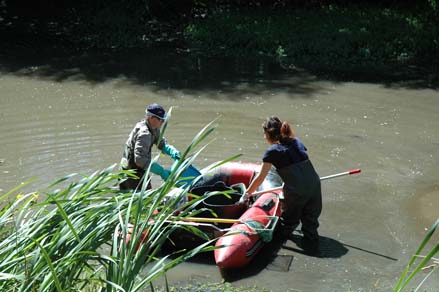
column 265, row 232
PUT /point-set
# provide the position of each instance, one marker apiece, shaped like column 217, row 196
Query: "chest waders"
column 133, row 183
column 302, row 199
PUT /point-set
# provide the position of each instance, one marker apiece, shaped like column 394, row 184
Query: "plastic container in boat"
column 189, row 174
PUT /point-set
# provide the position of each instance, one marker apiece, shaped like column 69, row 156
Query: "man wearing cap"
column 137, row 152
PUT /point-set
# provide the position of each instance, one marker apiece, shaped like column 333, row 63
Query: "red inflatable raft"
column 239, row 245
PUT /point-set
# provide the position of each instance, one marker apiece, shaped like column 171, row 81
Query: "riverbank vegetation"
column 346, row 38
column 83, row 234
column 421, row 261
column 74, row 238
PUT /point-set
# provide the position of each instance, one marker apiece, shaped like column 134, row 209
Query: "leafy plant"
column 411, row 270
column 88, row 235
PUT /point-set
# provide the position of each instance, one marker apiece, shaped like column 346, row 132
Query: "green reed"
column 411, row 270
column 73, row 236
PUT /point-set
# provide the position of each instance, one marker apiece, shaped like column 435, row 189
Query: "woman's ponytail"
column 278, row 130
column 286, row 132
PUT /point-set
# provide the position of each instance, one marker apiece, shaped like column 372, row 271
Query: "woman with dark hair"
column 302, row 201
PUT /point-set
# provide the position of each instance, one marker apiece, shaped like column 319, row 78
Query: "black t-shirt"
column 281, row 155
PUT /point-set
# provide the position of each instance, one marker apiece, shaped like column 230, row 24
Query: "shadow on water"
column 276, row 256
column 329, row 248
column 370, row 252
column 157, row 68
column 266, row 256
column 270, row 257
column 44, row 56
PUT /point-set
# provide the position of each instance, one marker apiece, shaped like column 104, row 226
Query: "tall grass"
column 75, row 236
column 412, row 270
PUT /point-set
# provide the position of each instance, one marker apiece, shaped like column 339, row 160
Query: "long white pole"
column 352, row 171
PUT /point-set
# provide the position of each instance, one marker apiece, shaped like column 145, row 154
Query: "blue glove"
column 160, row 170
column 171, row 151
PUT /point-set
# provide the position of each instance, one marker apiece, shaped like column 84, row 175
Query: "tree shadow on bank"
column 25, row 53
column 49, row 56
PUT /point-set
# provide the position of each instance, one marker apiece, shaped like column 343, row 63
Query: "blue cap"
column 156, row 110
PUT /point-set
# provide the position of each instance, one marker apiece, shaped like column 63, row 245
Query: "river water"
column 72, row 114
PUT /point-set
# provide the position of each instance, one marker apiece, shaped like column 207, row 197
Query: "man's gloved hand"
column 160, row 170
column 171, row 151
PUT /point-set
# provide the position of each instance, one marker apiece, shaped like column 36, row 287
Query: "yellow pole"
column 208, row 220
